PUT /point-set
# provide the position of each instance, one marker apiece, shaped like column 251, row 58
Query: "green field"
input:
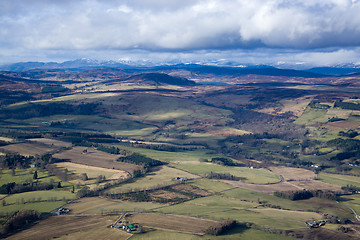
column 42, row 201
column 337, row 179
column 171, row 157
column 312, row 204
column 97, row 205
column 311, row 116
column 352, row 201
column 221, row 207
column 162, row 177
column 259, row 176
column 25, row 175
column 211, row 185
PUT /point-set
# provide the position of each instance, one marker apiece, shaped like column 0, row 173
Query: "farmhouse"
column 181, row 179
column 315, row 224
column 62, row 211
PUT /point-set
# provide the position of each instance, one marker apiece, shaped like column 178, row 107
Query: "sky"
column 303, row 33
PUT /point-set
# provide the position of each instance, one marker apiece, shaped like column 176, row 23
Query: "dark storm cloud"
column 179, row 25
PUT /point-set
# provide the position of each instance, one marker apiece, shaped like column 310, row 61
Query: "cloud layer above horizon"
column 176, row 25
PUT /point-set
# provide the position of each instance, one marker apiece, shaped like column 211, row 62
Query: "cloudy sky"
column 303, row 32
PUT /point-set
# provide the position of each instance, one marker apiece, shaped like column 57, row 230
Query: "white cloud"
column 176, row 25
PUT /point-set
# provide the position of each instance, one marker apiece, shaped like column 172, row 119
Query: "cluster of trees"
column 345, row 144
column 281, row 127
column 336, row 220
column 94, row 140
column 318, row 105
column 350, row 148
column 306, row 194
column 345, row 155
column 225, row 176
column 23, row 134
column 350, row 188
column 349, row 133
column 32, row 110
column 9, row 97
column 335, row 119
column 347, row 105
column 12, row 188
column 19, row 220
column 141, row 160
column 15, row 160
column 222, row 227
column 53, row 88
column 87, row 192
column 164, row 147
column 225, row 161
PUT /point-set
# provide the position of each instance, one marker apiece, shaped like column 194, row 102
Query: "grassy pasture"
column 28, row 149
column 73, row 227
column 312, row 116
column 293, row 173
column 97, row 205
column 153, row 107
column 210, row 185
column 42, row 201
column 259, row 176
column 25, row 175
column 171, row 222
column 352, row 201
column 84, row 122
column 220, row 207
column 340, row 180
column 220, row 131
column 140, row 132
column 162, row 176
column 91, row 172
column 312, row 204
column 285, row 186
column 297, row 106
column 170, row 157
column 95, row 158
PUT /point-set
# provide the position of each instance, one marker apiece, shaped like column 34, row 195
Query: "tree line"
column 141, row 160
column 225, row 176
column 221, row 228
column 306, row 194
column 12, row 188
column 18, row 220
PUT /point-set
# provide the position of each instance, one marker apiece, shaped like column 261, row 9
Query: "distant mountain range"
column 84, row 64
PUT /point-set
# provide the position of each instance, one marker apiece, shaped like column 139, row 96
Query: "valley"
column 177, row 154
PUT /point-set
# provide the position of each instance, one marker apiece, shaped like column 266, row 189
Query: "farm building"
column 315, row 224
column 62, row 211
